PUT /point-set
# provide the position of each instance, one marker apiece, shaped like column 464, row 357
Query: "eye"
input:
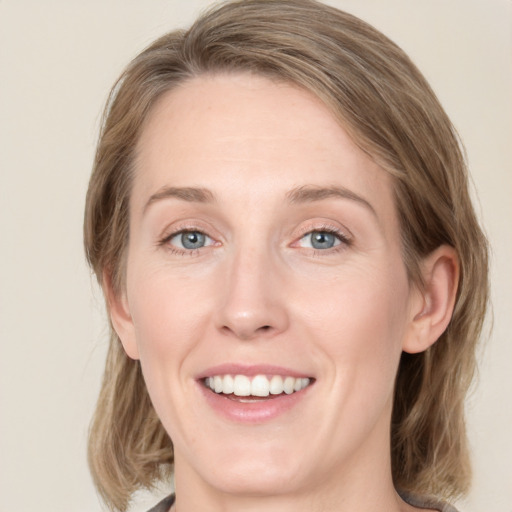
column 190, row 240
column 320, row 240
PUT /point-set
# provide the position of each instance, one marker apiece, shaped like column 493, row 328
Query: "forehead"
column 217, row 131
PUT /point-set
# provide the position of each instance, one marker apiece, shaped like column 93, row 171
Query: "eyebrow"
column 311, row 193
column 189, row 194
column 303, row 194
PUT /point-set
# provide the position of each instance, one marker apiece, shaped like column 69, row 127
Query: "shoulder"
column 427, row 502
column 164, row 505
column 416, row 501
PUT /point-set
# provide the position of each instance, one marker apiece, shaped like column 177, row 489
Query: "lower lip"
column 252, row 412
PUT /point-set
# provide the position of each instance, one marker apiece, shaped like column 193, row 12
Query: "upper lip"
column 251, row 370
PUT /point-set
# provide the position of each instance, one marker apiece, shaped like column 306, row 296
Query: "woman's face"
column 264, row 258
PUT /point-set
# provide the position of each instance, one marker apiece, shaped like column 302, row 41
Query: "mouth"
column 255, row 394
column 243, row 388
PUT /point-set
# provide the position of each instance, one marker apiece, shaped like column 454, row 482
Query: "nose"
column 253, row 297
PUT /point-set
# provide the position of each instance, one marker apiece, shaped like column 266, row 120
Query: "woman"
column 296, row 280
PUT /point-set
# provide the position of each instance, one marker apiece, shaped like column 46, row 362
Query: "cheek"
column 166, row 312
column 168, row 319
column 359, row 321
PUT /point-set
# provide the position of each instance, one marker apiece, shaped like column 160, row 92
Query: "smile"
column 257, row 386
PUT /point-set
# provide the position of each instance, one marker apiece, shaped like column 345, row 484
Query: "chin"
column 255, row 472
column 263, row 480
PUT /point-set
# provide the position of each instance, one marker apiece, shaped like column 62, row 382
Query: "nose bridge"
column 252, row 303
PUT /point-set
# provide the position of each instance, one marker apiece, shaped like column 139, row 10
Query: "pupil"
column 322, row 240
column 192, row 240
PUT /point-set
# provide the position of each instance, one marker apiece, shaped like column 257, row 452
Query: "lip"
column 258, row 411
column 251, row 371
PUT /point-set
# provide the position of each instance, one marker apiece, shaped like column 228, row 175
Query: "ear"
column 432, row 307
column 120, row 317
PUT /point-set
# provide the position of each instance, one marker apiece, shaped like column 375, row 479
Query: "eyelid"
column 341, row 232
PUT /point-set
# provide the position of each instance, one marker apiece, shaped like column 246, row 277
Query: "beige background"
column 58, row 59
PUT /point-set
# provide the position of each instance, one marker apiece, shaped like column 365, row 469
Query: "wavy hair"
column 390, row 111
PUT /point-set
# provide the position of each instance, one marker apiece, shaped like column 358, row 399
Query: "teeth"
column 276, row 385
column 242, row 385
column 289, row 384
column 228, row 384
column 260, row 385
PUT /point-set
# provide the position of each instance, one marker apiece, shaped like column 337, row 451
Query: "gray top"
column 164, row 505
column 415, row 501
column 426, row 502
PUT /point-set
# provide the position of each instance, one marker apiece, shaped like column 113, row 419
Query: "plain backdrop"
column 58, row 59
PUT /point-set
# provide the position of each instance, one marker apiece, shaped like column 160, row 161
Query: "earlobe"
column 433, row 306
column 120, row 317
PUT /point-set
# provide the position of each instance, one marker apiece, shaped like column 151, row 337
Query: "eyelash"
column 345, row 241
column 165, row 241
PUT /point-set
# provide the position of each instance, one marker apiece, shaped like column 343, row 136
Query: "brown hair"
column 386, row 105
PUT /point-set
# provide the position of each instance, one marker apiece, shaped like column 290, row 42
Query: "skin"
column 258, row 293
